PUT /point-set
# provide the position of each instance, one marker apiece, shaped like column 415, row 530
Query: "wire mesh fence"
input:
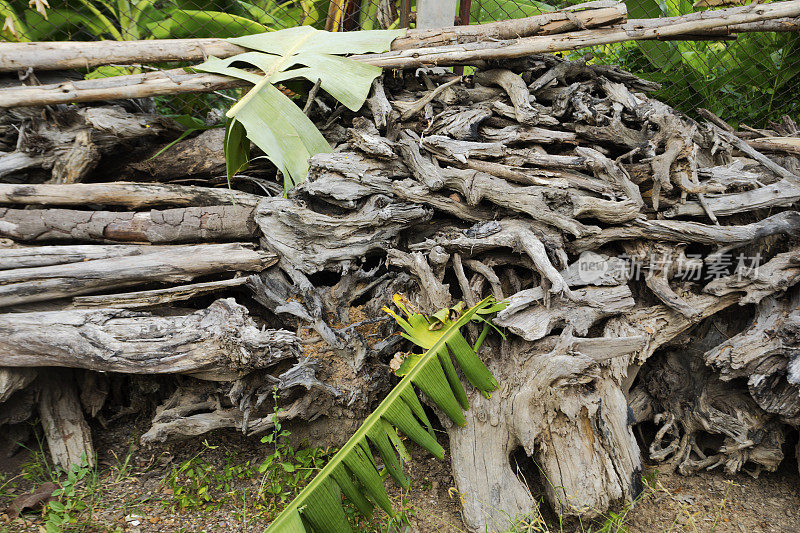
column 750, row 79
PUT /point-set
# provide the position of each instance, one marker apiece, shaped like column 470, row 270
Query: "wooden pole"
column 435, row 13
column 464, row 8
column 77, row 54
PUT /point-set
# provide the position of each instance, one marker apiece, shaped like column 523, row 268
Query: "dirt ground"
column 133, row 493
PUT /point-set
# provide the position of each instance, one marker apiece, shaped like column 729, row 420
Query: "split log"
column 177, row 81
column 120, row 193
column 586, row 454
column 185, row 224
column 174, row 264
column 133, row 300
column 37, row 256
column 217, row 343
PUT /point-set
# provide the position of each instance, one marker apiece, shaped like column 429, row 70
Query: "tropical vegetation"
column 267, row 117
column 353, row 472
column 749, row 80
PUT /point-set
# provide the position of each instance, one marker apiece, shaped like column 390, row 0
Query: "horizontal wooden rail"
column 76, row 54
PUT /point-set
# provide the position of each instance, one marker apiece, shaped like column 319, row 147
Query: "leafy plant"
column 352, row 471
column 76, row 496
column 148, row 19
column 268, row 117
column 193, row 480
column 743, row 80
column 285, row 470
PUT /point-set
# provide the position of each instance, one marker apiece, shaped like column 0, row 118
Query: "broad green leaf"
column 319, row 503
column 338, row 76
column 282, row 131
column 107, row 71
column 272, row 121
column 237, row 148
column 185, row 23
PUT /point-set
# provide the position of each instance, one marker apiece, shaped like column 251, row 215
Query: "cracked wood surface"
column 215, row 343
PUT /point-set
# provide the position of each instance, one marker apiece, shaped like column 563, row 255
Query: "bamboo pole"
column 76, row 54
column 178, row 81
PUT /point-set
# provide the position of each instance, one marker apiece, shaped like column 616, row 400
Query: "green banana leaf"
column 352, row 470
column 272, row 121
column 194, row 23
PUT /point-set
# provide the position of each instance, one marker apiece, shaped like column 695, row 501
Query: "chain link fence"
column 748, row 80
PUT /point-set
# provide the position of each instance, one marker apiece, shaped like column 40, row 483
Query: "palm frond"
column 352, row 471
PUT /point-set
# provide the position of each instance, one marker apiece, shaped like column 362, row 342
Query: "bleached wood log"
column 138, row 299
column 175, row 264
column 785, row 223
column 36, row 256
column 587, row 453
column 68, row 436
column 783, row 193
column 120, row 193
column 184, row 224
column 216, row 343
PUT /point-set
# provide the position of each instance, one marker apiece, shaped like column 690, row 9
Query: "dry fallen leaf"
column 41, row 7
column 33, row 500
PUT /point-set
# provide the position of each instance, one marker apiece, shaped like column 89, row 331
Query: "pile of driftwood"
column 650, row 262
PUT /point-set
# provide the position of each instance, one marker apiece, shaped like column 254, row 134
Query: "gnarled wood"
column 215, row 343
column 313, row 241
